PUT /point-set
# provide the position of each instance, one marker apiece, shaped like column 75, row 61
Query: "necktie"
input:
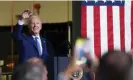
column 38, row 45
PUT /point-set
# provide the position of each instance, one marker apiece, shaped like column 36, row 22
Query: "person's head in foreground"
column 30, row 71
column 36, row 60
column 114, row 65
column 130, row 74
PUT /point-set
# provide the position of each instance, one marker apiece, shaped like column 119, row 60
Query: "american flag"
column 108, row 24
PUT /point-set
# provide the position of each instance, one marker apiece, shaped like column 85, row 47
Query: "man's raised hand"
column 26, row 14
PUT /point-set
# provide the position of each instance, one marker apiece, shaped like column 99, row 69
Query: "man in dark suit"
column 32, row 44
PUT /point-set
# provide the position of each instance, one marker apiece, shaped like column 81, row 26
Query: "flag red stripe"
column 97, row 42
column 83, row 21
column 122, row 29
column 131, row 24
column 110, row 27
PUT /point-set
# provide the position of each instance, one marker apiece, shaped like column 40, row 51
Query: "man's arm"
column 17, row 31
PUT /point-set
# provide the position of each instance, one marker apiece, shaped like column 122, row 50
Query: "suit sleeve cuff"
column 20, row 22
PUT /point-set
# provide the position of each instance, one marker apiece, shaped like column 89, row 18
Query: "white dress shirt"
column 39, row 40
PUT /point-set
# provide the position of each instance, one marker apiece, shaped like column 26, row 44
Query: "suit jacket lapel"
column 44, row 46
column 32, row 41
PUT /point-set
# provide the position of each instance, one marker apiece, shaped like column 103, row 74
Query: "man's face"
column 35, row 25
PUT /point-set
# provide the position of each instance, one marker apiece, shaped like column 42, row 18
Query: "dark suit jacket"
column 28, row 49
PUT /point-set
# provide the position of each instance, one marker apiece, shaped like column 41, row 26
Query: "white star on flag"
column 86, row 0
column 113, row 1
column 96, row 1
column 104, row 0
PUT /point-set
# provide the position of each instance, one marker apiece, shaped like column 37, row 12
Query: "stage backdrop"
column 108, row 25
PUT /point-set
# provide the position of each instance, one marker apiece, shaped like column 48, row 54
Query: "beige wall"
column 51, row 11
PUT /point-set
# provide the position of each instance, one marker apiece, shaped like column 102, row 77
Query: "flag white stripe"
column 116, row 28
column 90, row 28
column 127, row 15
column 103, row 29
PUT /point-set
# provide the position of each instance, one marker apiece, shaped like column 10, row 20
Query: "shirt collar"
column 36, row 36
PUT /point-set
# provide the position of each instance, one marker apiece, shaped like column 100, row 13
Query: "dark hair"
column 114, row 65
column 28, row 71
column 130, row 74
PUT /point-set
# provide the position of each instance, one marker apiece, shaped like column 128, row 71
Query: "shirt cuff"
column 20, row 22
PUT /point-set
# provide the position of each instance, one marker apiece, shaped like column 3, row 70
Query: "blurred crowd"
column 113, row 65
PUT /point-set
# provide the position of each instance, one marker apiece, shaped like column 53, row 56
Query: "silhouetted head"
column 30, row 71
column 114, row 65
